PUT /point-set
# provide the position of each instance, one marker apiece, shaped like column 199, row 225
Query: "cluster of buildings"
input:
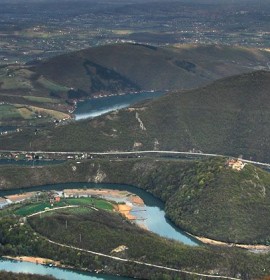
column 236, row 164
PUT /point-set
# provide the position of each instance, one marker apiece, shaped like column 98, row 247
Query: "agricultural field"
column 28, row 209
column 30, row 96
column 98, row 203
column 9, row 111
column 51, row 86
column 40, row 99
column 48, row 112
column 24, row 112
column 14, row 77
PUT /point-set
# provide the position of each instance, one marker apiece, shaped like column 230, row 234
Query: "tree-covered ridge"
column 215, row 201
column 228, row 117
column 125, row 67
column 101, row 229
column 205, row 197
column 22, row 276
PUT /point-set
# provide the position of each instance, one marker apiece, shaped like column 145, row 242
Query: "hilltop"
column 222, row 203
column 229, row 116
column 129, row 67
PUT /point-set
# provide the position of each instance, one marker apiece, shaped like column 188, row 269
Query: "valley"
column 47, row 91
column 134, row 139
column 224, row 123
column 154, row 178
column 138, row 146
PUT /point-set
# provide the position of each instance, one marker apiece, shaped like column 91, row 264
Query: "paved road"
column 138, row 153
column 121, row 259
column 51, row 209
column 141, row 263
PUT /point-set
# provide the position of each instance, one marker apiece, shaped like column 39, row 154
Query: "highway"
column 135, row 153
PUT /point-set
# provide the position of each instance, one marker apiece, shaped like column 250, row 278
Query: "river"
column 154, row 219
column 7, row 128
column 58, row 273
column 98, row 106
column 153, row 216
column 35, row 162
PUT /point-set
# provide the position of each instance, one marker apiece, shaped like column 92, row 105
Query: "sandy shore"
column 136, row 200
column 2, row 200
column 37, row 260
column 220, row 243
column 125, row 209
column 20, row 197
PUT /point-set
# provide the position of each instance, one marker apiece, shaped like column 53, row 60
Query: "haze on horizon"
column 139, row 1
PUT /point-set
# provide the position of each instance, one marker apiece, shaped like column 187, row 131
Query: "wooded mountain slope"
column 126, row 67
column 230, row 116
column 205, row 197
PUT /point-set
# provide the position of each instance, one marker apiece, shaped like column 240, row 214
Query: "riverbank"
column 127, row 202
column 253, row 248
column 37, row 260
column 15, row 198
column 124, row 210
column 45, row 262
column 184, row 250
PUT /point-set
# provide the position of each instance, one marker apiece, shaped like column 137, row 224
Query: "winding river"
column 7, row 128
column 29, row 162
column 153, row 216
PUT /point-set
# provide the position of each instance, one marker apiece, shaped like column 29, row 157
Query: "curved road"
column 142, row 263
column 126, row 260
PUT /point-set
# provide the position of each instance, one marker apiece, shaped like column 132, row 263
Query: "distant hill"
column 53, row 84
column 230, row 116
column 133, row 67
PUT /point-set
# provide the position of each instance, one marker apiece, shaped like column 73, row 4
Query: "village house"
column 236, row 164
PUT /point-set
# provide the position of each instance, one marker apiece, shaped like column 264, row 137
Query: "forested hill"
column 205, row 197
column 55, row 83
column 129, row 67
column 230, row 116
column 21, row 276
